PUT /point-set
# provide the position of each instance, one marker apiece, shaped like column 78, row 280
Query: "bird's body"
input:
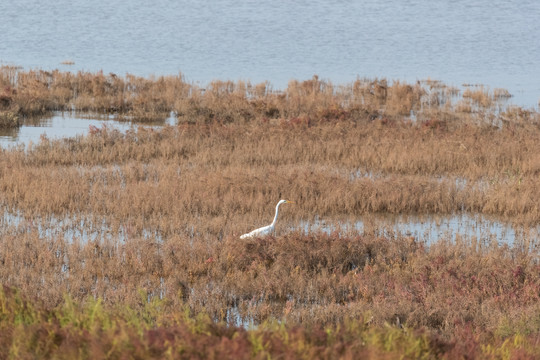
column 268, row 229
column 265, row 230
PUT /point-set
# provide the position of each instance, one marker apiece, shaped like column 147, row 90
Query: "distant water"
column 492, row 42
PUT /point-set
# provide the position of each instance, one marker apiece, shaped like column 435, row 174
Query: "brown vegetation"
column 227, row 178
column 450, row 291
column 173, row 201
column 37, row 92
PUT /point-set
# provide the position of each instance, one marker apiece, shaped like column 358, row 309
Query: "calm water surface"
column 425, row 228
column 62, row 125
column 431, row 228
column 492, row 42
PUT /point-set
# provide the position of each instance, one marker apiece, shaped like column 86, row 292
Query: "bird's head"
column 285, row 202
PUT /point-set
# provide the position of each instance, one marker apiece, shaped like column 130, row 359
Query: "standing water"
column 62, row 125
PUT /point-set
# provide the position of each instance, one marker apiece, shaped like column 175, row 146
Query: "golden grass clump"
column 480, row 97
column 37, row 92
column 8, row 109
column 403, row 98
column 9, row 119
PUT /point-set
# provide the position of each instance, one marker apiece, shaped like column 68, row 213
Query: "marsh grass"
column 337, row 151
column 9, row 119
column 38, row 92
column 221, row 178
column 352, row 287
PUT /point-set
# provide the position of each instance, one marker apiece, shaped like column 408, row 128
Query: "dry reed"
column 174, row 200
column 37, row 92
column 222, row 178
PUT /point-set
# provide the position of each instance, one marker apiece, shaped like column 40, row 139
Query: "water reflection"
column 66, row 124
column 430, row 228
column 426, row 228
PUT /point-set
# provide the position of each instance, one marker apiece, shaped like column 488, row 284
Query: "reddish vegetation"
column 338, row 296
column 167, row 276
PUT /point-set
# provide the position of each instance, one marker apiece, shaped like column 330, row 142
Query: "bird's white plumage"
column 266, row 230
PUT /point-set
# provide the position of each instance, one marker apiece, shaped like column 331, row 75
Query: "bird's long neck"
column 275, row 217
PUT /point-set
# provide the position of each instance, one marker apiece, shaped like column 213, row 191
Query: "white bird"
column 265, row 230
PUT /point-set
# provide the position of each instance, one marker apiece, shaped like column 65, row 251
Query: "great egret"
column 265, row 230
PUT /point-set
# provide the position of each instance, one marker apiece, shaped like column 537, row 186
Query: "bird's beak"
column 290, row 202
